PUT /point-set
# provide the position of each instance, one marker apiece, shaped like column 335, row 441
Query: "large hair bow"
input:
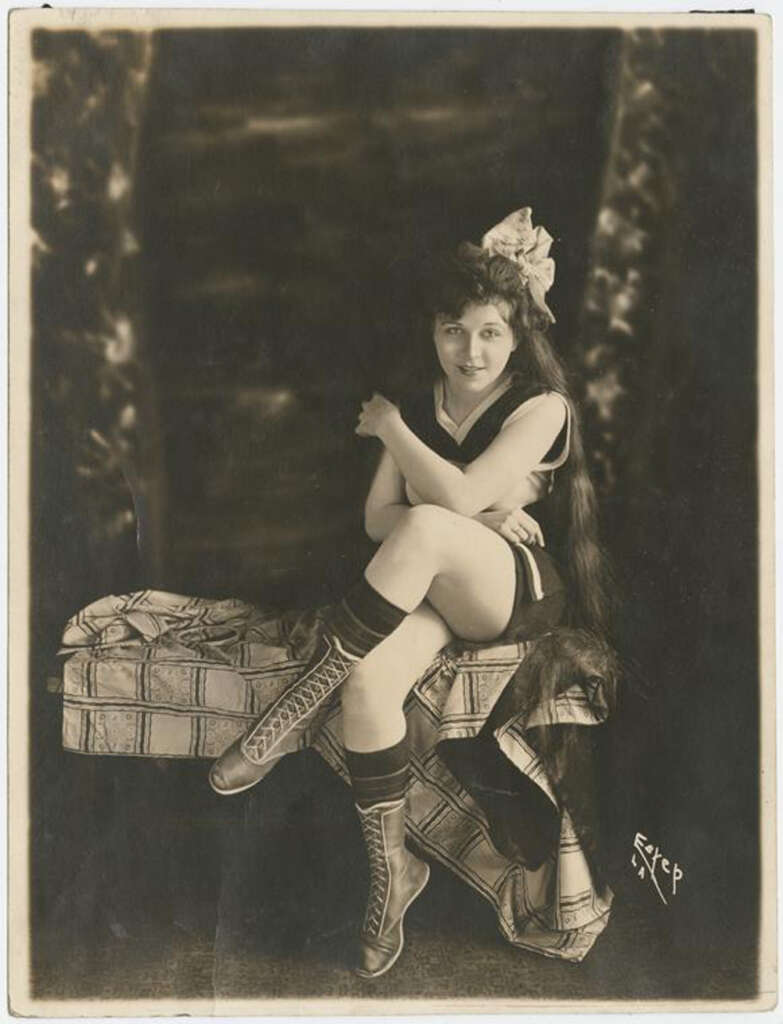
column 528, row 247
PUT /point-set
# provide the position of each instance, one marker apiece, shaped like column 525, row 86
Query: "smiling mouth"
column 470, row 369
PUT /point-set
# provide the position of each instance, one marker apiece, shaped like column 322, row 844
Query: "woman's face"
column 474, row 350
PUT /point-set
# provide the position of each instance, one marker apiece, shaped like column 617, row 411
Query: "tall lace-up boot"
column 396, row 879
column 354, row 627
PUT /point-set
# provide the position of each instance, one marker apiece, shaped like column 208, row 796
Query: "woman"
column 458, row 556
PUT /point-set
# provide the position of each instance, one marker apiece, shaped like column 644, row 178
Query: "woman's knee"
column 423, row 525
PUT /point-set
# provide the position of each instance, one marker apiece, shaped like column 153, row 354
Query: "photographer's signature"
column 650, row 863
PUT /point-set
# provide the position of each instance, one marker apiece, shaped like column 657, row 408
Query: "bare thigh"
column 474, row 591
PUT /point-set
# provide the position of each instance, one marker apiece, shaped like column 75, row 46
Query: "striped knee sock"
column 380, row 776
column 363, row 618
column 356, row 625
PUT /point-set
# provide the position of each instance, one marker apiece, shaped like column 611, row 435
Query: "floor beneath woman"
column 260, row 897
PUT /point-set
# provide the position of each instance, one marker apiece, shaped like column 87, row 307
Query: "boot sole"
column 236, row 789
column 246, row 786
column 395, row 958
column 299, row 724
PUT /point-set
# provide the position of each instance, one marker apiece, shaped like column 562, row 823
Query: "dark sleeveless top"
column 418, row 412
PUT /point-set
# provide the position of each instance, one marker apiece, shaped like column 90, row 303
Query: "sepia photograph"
column 391, row 524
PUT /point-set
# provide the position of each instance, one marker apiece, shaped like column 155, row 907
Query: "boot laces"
column 380, row 876
column 303, row 697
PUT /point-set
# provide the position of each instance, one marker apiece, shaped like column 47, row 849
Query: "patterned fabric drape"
column 154, row 674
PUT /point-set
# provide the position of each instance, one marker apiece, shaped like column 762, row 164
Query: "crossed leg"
column 466, row 573
column 463, row 570
column 375, row 691
column 451, row 575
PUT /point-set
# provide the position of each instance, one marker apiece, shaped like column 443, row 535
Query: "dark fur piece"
column 557, row 661
column 523, row 822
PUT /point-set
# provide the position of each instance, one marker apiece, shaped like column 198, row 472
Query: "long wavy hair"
column 474, row 276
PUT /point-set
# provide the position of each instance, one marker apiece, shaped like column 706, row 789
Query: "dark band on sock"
column 363, row 618
column 379, row 776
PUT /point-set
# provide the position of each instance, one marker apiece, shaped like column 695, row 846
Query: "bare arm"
column 386, row 503
column 516, row 450
column 386, row 500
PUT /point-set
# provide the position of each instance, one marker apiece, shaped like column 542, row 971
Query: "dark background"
column 256, row 206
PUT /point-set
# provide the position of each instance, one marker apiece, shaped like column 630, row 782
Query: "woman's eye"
column 491, row 334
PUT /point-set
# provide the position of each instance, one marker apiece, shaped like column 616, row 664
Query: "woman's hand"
column 519, row 448
column 516, row 526
column 376, row 414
